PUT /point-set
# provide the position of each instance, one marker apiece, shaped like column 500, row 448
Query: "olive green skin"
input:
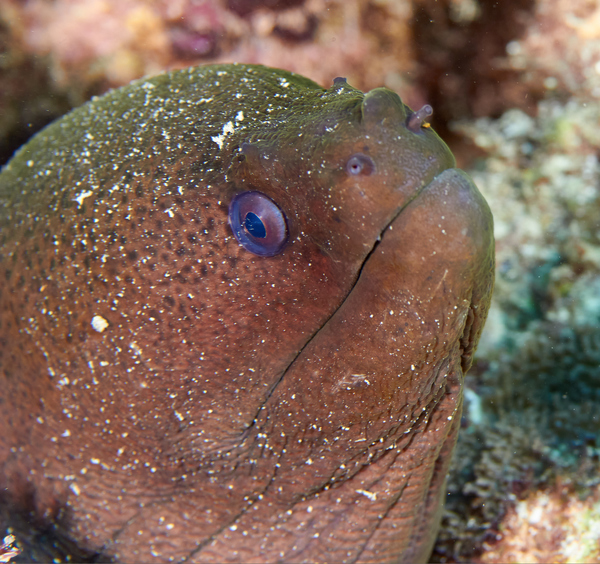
column 295, row 408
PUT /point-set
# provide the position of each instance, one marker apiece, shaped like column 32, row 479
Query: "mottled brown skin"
column 295, row 408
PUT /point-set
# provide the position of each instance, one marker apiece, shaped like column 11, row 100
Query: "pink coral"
column 561, row 47
column 111, row 42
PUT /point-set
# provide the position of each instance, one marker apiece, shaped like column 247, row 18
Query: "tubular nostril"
column 419, row 118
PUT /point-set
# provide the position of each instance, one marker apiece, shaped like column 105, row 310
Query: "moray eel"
column 235, row 316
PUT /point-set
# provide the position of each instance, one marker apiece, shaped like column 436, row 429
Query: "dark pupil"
column 255, row 226
column 356, row 167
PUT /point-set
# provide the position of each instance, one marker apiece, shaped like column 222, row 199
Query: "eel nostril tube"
column 419, row 118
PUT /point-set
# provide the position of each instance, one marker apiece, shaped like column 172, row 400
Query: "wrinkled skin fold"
column 170, row 396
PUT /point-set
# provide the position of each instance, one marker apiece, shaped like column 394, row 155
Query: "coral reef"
column 462, row 61
column 551, row 526
column 540, row 176
column 560, row 47
column 529, row 453
column 532, row 433
column 26, row 105
column 112, row 42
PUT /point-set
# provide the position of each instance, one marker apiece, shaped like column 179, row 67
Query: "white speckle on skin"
column 218, row 139
column 227, row 129
column 371, row 495
column 82, row 196
column 99, row 323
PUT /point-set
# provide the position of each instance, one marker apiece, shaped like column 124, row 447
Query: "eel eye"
column 360, row 164
column 258, row 223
